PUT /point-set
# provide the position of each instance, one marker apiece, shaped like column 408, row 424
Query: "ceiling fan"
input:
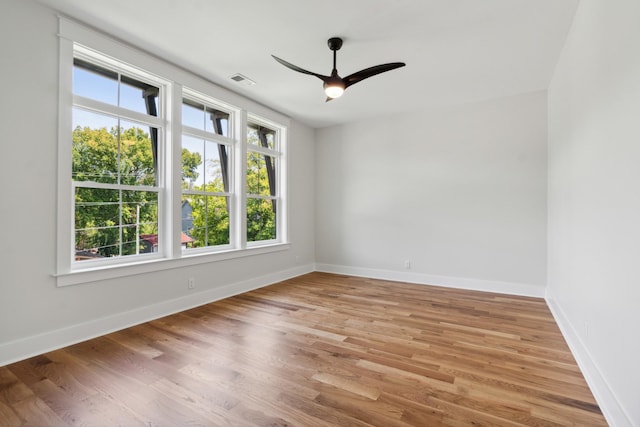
column 334, row 85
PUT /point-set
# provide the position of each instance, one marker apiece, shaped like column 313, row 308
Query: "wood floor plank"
column 317, row 350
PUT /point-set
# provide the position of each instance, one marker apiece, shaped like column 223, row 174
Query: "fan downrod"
column 335, row 43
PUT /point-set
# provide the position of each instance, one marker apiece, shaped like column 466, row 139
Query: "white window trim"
column 72, row 33
column 233, row 143
column 282, row 231
column 158, row 122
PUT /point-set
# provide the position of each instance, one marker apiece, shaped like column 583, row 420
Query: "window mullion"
column 241, row 179
column 198, row 133
column 173, row 222
column 263, row 150
column 115, row 111
column 120, row 224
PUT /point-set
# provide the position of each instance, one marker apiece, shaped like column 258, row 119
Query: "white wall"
column 35, row 315
column 460, row 192
column 594, row 201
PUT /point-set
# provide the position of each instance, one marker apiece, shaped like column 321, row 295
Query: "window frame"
column 120, row 113
column 278, row 153
column 76, row 36
column 232, row 143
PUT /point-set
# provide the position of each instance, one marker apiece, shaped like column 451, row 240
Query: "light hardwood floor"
column 317, row 350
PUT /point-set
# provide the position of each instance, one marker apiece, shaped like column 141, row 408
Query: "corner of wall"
column 607, row 400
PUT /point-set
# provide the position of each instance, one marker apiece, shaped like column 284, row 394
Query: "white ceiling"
column 456, row 51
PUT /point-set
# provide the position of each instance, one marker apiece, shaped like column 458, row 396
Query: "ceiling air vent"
column 244, row 80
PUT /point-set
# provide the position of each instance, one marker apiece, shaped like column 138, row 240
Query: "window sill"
column 77, row 277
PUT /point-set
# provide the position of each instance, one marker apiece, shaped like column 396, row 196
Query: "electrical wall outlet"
column 407, row 264
column 191, row 283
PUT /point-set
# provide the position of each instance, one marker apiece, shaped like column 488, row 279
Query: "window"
column 116, row 140
column 156, row 168
column 206, row 172
column 262, row 196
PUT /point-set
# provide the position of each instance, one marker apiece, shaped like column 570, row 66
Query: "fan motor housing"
column 335, row 43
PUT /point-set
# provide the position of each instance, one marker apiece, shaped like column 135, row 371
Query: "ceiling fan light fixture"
column 334, row 90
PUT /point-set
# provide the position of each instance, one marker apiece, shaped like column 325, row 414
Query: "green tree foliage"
column 209, row 214
column 210, row 220
column 260, row 220
column 109, row 222
column 190, row 163
column 261, row 215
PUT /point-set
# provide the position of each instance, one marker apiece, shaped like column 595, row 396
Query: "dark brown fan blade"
column 298, row 69
column 371, row 71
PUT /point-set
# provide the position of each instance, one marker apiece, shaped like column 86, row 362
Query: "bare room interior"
column 198, row 231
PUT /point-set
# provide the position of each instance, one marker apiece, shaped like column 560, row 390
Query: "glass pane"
column 134, row 95
column 261, row 219
column 216, row 162
column 261, row 136
column 192, row 163
column 205, row 221
column 140, row 222
column 94, row 147
column 97, row 223
column 138, row 152
column 95, row 82
column 192, row 114
column 209, row 119
column 113, row 223
column 217, row 220
column 261, row 174
column 217, row 122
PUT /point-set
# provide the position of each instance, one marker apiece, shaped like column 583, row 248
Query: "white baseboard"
column 445, row 281
column 24, row 348
column 609, row 404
